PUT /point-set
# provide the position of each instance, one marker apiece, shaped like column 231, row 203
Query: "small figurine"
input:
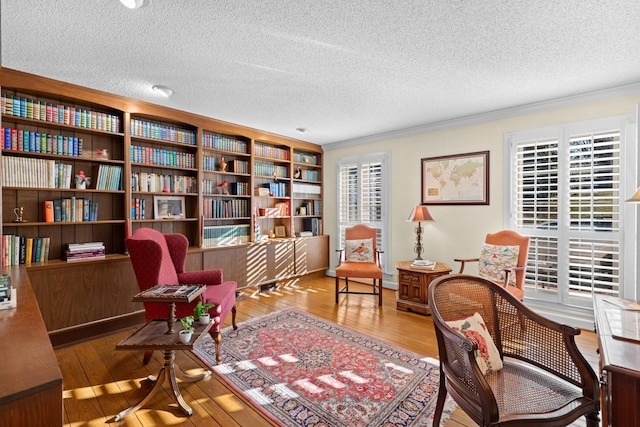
column 298, row 173
column 19, row 212
column 223, row 165
column 223, row 188
column 272, row 235
column 82, row 180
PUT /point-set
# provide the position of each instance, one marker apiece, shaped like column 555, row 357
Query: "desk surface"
column 617, row 354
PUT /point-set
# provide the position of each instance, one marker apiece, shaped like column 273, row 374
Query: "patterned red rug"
column 300, row 370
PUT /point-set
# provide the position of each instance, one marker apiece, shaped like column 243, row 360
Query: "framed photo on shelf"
column 460, row 179
column 280, row 231
column 165, row 207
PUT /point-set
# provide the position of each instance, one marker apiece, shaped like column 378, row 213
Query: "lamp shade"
column 420, row 213
column 635, row 198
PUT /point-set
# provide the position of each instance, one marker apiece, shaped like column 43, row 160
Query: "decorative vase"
column 185, row 336
column 204, row 319
column 81, row 185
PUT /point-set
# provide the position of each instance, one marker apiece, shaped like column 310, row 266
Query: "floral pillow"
column 495, row 259
column 359, row 250
column 474, row 328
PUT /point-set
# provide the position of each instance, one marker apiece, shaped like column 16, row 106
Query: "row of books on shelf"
column 70, row 209
column 231, row 208
column 154, row 182
column 11, row 105
column 270, row 170
column 313, row 207
column 162, row 157
column 138, row 208
column 234, row 188
column 309, row 175
column 276, row 189
column 108, row 177
column 37, row 142
column 24, row 250
column 223, row 235
column 266, row 150
column 237, row 166
column 306, row 190
column 83, row 251
column 31, row 172
column 223, row 142
column 162, row 132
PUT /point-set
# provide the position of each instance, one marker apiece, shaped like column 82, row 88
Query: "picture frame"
column 459, row 179
column 168, row 207
column 280, row 231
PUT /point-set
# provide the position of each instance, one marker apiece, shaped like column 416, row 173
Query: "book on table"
column 170, row 291
column 424, row 264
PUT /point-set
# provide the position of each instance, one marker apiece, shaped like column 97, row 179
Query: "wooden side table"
column 413, row 284
column 161, row 335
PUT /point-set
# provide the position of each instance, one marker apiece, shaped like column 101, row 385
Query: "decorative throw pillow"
column 495, row 259
column 474, row 328
column 359, row 250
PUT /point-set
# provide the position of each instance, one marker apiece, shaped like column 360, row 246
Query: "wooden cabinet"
column 413, row 286
column 619, row 367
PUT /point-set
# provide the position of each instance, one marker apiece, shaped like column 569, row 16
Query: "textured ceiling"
column 342, row 69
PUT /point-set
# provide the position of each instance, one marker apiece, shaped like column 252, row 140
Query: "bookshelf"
column 164, row 176
column 46, row 141
column 226, row 190
column 160, row 154
column 306, row 197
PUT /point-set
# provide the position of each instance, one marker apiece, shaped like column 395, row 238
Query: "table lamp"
column 418, row 214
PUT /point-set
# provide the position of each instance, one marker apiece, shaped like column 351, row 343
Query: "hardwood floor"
column 100, row 382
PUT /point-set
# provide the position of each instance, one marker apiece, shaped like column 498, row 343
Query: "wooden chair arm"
column 462, row 261
column 339, row 253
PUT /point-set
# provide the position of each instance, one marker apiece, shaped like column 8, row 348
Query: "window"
column 362, row 197
column 566, row 193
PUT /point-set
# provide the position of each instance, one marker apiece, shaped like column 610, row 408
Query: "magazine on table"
column 424, row 264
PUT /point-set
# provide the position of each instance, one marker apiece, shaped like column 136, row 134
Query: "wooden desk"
column 413, row 284
column 154, row 336
column 619, row 371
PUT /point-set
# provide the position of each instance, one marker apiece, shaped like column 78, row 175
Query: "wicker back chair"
column 545, row 380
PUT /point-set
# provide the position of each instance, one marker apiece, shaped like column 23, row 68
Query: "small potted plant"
column 187, row 331
column 201, row 312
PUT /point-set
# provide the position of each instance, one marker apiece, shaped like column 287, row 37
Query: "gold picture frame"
column 460, row 179
column 280, row 231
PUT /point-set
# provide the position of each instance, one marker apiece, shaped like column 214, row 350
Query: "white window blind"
column 361, row 195
column 566, row 196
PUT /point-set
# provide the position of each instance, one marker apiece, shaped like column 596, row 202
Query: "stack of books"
column 425, row 264
column 84, row 251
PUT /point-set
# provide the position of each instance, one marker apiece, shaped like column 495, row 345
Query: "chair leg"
column 593, row 419
column 337, row 287
column 233, row 318
column 217, row 337
column 379, row 291
column 147, row 356
column 442, row 395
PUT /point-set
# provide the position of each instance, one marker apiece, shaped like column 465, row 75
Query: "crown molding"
column 490, row 116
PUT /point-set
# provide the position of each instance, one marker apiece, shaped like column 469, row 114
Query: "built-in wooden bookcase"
column 306, row 197
column 272, row 187
column 226, row 190
column 164, row 176
column 47, row 140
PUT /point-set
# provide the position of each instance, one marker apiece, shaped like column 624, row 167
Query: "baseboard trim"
column 91, row 330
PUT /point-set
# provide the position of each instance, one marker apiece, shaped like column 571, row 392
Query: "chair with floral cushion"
column 159, row 259
column 360, row 258
column 503, row 254
column 505, row 373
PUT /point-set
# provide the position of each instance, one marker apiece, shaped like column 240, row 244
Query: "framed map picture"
column 461, row 179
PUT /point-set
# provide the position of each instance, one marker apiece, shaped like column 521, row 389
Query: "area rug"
column 300, row 370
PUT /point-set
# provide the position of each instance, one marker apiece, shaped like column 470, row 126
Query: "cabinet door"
column 312, row 254
column 412, row 286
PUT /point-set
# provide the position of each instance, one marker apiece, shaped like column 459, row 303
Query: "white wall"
column 458, row 231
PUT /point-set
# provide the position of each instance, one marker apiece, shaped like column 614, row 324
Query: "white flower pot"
column 205, row 319
column 185, row 336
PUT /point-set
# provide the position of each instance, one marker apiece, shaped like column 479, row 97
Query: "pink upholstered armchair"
column 159, row 259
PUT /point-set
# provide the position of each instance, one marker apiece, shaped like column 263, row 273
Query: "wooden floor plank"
column 99, row 381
